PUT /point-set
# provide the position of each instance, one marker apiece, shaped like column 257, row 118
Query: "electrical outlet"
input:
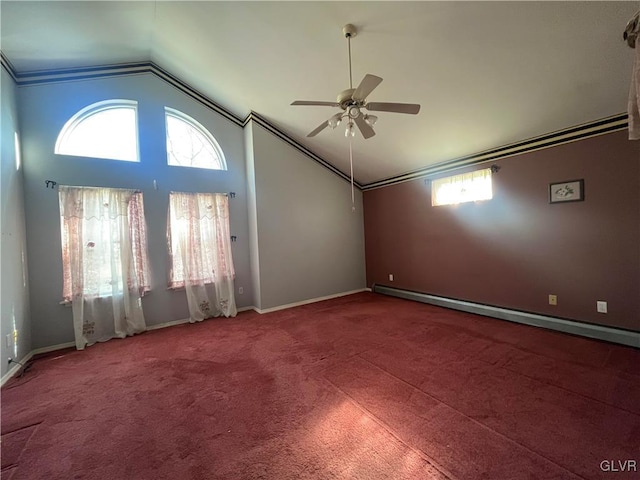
column 240, row 290
column 391, row 277
column 553, row 300
column 601, row 306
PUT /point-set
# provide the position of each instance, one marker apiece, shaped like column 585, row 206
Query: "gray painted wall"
column 297, row 236
column 44, row 109
column 310, row 244
column 15, row 289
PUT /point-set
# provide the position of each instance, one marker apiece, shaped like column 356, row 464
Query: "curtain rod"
column 52, row 184
column 230, row 194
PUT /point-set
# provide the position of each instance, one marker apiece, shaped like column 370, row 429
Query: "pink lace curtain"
column 199, row 245
column 138, row 233
column 104, row 257
column 199, row 236
column 82, row 210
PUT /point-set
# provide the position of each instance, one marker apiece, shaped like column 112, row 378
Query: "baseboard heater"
column 608, row 334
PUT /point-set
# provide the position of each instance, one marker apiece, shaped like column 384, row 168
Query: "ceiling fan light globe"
column 350, row 131
column 370, row 119
column 333, row 122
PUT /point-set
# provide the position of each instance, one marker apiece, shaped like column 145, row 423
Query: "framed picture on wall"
column 568, row 191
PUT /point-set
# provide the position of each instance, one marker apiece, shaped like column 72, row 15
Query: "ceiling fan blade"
column 411, row 108
column 367, row 85
column 311, row 102
column 321, row 127
column 365, row 128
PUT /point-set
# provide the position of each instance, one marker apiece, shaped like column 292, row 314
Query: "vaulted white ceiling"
column 486, row 73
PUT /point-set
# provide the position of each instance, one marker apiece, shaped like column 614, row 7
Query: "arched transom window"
column 189, row 144
column 107, row 129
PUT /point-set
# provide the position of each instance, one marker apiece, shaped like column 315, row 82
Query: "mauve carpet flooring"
column 361, row 387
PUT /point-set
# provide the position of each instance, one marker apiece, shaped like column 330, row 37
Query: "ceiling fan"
column 353, row 102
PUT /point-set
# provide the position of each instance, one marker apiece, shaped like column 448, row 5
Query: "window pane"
column 189, row 144
column 102, row 130
column 468, row 187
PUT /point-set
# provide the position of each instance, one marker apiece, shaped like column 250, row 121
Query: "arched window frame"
column 172, row 112
column 68, row 129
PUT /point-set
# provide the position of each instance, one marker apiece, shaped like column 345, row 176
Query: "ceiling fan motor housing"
column 345, row 98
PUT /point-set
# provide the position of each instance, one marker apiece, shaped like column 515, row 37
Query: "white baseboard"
column 187, row 320
column 53, row 348
column 167, row 324
column 599, row 332
column 12, row 371
column 311, row 300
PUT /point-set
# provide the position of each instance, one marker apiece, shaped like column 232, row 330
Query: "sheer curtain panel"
column 105, row 263
column 199, row 245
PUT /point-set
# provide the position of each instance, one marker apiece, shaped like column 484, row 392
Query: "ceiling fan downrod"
column 349, row 31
